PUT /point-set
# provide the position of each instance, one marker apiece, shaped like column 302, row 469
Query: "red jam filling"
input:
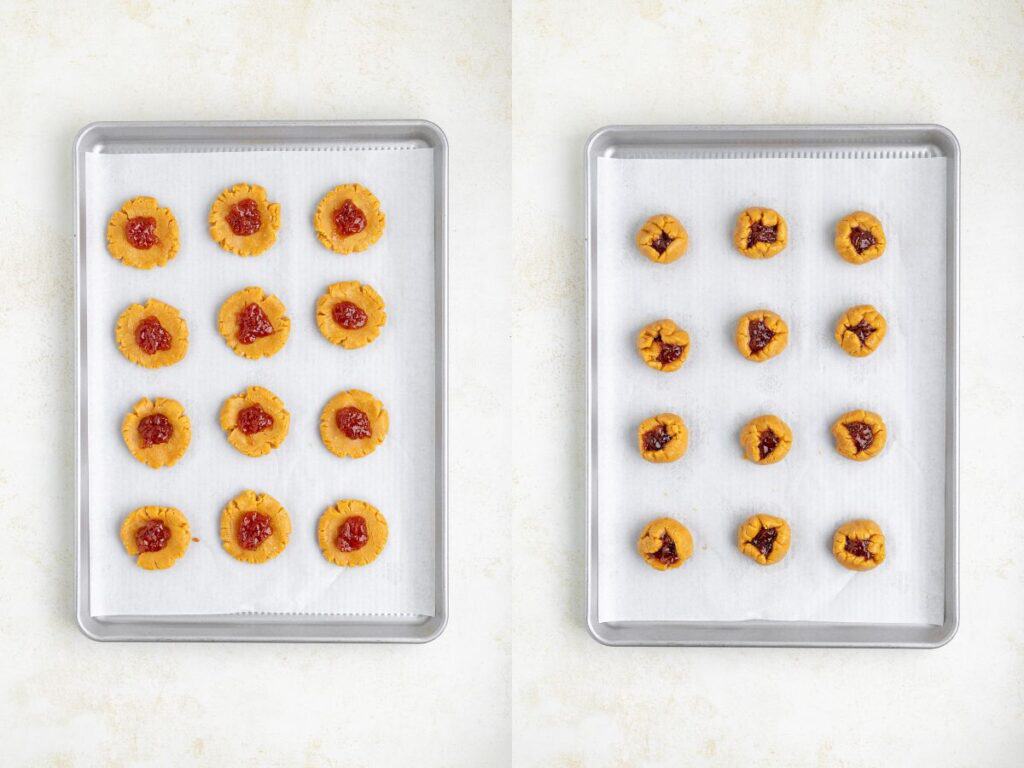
column 861, row 239
column 254, row 419
column 667, row 555
column 353, row 422
column 244, row 217
column 669, row 353
column 657, row 438
column 861, row 330
column 352, row 534
column 153, row 536
column 861, row 434
column 759, row 233
column 767, row 442
column 348, row 315
column 253, row 324
column 662, row 243
column 348, row 219
column 151, row 336
column 764, row 542
column 140, row 232
column 253, row 529
column 760, row 336
column 858, row 547
column 155, row 429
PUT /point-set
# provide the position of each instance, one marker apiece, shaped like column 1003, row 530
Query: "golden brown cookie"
column 761, row 335
column 253, row 323
column 665, row 544
column 254, row 527
column 352, row 532
column 860, row 330
column 152, row 335
column 142, row 234
column 764, row 538
column 760, row 233
column 662, row 438
column 353, row 424
column 243, row 221
column 859, row 545
column 766, row 439
column 859, row 434
column 662, row 238
column 157, row 432
column 255, row 421
column 350, row 314
column 157, row 536
column 663, row 345
column 349, row 219
column 860, row 237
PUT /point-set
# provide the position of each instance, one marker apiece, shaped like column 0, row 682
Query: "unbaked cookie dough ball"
column 764, row 538
column 663, row 345
column 760, row 233
column 859, row 435
column 761, row 335
column 860, row 237
column 859, row 545
column 665, row 544
column 662, row 438
column 766, row 439
column 662, row 239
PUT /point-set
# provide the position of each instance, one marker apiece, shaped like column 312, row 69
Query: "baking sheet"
column 712, row 489
column 399, row 368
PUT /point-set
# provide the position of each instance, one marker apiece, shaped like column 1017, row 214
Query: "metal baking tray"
column 671, row 142
column 138, row 137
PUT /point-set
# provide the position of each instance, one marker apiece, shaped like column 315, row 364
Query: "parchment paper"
column 712, row 488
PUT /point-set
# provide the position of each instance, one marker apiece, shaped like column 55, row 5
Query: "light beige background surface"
column 515, row 680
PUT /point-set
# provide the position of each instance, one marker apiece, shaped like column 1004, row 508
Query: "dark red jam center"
column 759, row 233
column 253, row 530
column 151, row 336
column 253, row 324
column 353, row 422
column 662, row 243
column 244, row 217
column 153, row 536
column 657, row 438
column 861, row 434
column 764, row 542
column 352, row 534
column 861, row 330
column 667, row 555
column 767, row 442
column 669, row 353
column 760, row 336
column 858, row 547
column 348, row 315
column 861, row 239
column 348, row 219
column 155, row 429
column 254, row 419
column 140, row 232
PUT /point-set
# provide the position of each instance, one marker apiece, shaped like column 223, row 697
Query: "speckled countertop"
column 515, row 679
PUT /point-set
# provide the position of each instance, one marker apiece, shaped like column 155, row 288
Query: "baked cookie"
column 348, row 219
column 860, row 237
column 763, row 538
column 665, row 544
column 353, row 424
column 157, row 432
column 243, row 221
column 766, row 439
column 350, row 314
column 142, row 234
column 156, row 536
column 255, row 421
column 662, row 438
column 761, row 335
column 760, row 233
column 859, row 545
column 860, row 330
column 253, row 323
column 152, row 335
column 662, row 238
column 352, row 532
column 254, row 527
column 663, row 345
column 859, row 435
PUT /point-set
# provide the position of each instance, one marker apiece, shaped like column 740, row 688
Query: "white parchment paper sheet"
column 398, row 368
column 712, row 488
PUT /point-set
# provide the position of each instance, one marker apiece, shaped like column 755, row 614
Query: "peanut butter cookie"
column 253, row 323
column 350, row 314
column 764, row 539
column 663, row 345
column 766, row 439
column 859, row 545
column 243, row 221
column 665, row 544
column 353, row 424
column 142, row 234
column 662, row 438
column 860, row 330
column 662, row 239
column 860, row 435
column 860, row 237
column 157, row 432
column 152, row 335
column 348, row 219
column 156, row 536
column 254, row 527
column 352, row 533
column 761, row 335
column 255, row 421
column 760, row 233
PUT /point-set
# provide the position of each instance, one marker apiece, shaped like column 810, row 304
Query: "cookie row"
column 858, row 545
column 859, row 435
column 255, row 528
column 242, row 220
column 762, row 233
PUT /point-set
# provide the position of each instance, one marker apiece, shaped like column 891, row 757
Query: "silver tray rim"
column 262, row 627
column 781, row 138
